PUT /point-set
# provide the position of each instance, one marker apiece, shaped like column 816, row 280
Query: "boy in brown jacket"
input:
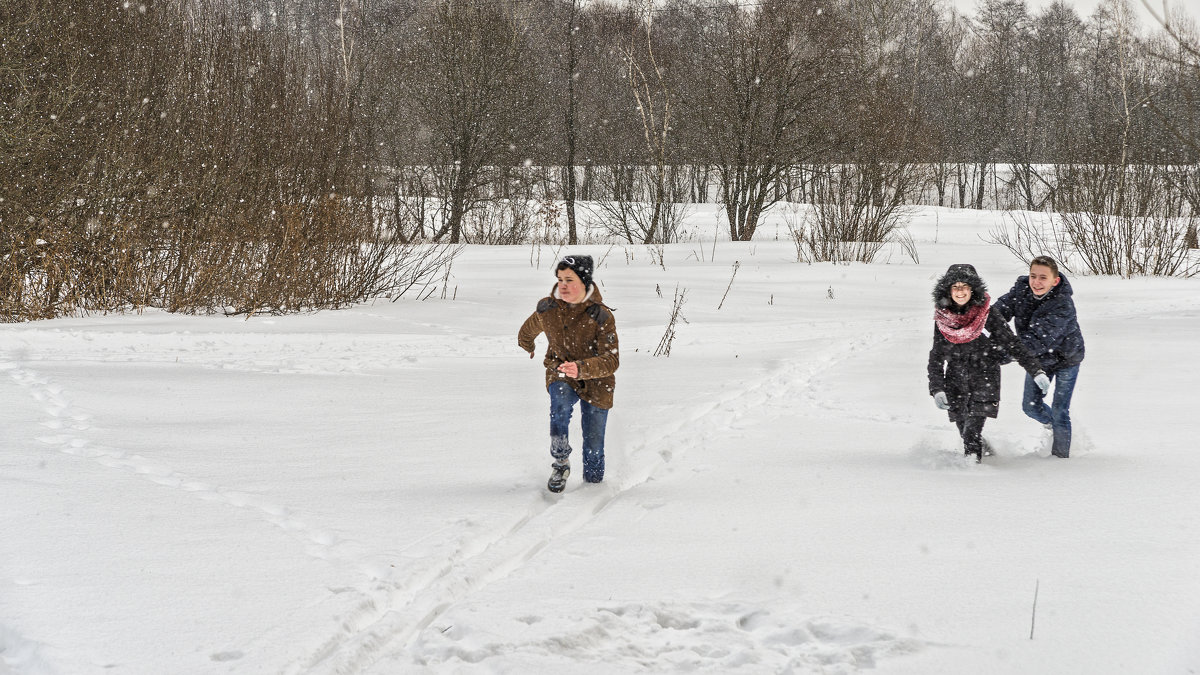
column 582, row 356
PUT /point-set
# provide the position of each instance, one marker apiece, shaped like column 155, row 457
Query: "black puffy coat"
column 969, row 373
column 1048, row 326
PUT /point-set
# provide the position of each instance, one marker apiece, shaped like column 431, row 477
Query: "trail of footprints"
column 400, row 609
column 396, row 610
column 68, row 435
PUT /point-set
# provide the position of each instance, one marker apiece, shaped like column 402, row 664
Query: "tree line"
column 282, row 155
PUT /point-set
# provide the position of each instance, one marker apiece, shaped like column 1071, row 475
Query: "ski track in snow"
column 399, row 610
column 71, row 439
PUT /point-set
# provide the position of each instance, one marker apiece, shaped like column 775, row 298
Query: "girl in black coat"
column 970, row 342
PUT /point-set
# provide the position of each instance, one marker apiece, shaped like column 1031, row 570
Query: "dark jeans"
column 971, row 430
column 562, row 402
column 1058, row 413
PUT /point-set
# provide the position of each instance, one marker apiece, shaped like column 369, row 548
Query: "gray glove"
column 1042, row 382
column 939, row 399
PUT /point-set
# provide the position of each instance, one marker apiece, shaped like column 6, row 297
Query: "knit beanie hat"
column 581, row 265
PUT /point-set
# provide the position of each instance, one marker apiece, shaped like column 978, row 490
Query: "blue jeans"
column 1058, row 413
column 562, row 402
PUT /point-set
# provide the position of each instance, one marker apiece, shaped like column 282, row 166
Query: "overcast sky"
column 1086, row 7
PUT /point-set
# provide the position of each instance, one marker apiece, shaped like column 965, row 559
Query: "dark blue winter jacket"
column 1048, row 325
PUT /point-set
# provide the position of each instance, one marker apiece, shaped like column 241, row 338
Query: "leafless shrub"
column 1025, row 186
column 500, row 222
column 633, row 213
column 616, row 186
column 858, row 210
column 662, row 221
column 1027, row 237
column 1133, row 190
column 224, row 183
column 1151, row 244
column 547, row 217
column 795, row 216
column 1187, row 181
column 658, row 255
column 416, row 212
column 1145, row 239
column 314, row 256
column 664, row 344
column 907, row 244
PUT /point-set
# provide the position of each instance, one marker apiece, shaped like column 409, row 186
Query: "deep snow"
column 363, row 491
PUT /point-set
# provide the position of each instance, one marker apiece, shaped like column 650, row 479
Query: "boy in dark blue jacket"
column 1043, row 312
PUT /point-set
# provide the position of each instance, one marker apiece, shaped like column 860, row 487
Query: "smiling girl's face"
column 960, row 293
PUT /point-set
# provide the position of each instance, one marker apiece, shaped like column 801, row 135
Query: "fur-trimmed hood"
column 959, row 273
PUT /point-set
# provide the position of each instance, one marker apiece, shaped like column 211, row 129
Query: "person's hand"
column 570, row 369
column 531, row 355
column 1042, row 382
column 940, row 400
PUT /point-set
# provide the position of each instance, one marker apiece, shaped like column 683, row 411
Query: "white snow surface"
column 363, row 491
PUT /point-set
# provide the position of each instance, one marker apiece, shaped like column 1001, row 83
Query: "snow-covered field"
column 363, row 491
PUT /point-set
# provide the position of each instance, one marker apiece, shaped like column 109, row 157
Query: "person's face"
column 960, row 293
column 1042, row 279
column 570, row 288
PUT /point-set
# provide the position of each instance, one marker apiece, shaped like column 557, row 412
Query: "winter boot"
column 558, row 479
column 987, row 449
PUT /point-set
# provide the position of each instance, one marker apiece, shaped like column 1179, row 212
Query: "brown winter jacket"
column 585, row 333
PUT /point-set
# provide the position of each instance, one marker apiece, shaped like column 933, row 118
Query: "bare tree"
column 1177, row 103
column 763, row 75
column 1001, row 31
column 466, row 85
column 571, row 117
column 1048, row 105
column 653, row 97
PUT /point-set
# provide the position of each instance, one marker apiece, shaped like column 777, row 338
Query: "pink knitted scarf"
column 960, row 328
